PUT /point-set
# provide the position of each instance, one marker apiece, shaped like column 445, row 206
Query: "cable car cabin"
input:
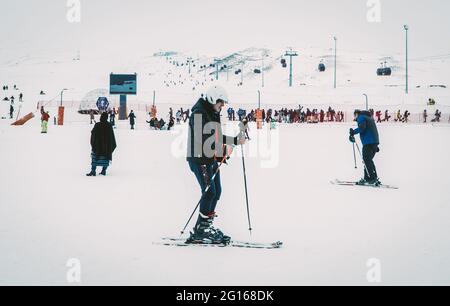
column 322, row 67
column 257, row 71
column 387, row 71
column 238, row 71
column 283, row 61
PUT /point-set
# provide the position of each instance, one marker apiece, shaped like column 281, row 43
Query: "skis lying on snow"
column 349, row 183
column 236, row 244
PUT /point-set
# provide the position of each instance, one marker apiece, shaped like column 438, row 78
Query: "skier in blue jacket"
column 367, row 129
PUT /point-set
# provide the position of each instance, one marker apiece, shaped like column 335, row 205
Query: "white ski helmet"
column 215, row 93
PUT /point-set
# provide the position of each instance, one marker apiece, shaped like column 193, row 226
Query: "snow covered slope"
column 50, row 212
column 84, row 71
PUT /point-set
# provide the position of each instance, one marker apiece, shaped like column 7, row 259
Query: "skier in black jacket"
column 207, row 149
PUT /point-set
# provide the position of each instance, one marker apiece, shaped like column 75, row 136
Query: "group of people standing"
column 12, row 100
column 404, row 117
column 286, row 115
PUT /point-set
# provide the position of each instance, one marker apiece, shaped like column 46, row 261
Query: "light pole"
column 262, row 71
column 242, row 74
column 259, row 99
column 406, row 27
column 335, row 61
column 61, row 110
column 367, row 102
column 62, row 91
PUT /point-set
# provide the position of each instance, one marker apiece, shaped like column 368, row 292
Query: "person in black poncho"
column 103, row 143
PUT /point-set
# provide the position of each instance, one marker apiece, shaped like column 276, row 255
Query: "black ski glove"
column 352, row 132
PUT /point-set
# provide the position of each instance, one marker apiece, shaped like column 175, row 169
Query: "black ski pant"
column 369, row 152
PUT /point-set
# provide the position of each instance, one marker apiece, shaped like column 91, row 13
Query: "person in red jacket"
column 378, row 115
column 44, row 120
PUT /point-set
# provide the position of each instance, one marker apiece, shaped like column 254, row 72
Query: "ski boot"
column 364, row 182
column 361, row 182
column 376, row 182
column 91, row 174
column 225, row 239
column 202, row 234
column 205, row 233
column 103, row 173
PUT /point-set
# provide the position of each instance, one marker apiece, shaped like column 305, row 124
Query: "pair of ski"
column 180, row 242
column 350, row 183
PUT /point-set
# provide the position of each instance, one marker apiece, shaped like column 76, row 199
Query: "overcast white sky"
column 217, row 27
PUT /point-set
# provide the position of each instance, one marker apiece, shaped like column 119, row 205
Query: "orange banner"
column 61, row 115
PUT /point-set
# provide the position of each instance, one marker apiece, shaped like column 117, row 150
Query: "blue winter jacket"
column 367, row 129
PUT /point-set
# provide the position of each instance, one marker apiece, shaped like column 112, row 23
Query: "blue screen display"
column 123, row 84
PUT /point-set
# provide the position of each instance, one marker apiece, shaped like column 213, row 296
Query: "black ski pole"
column 354, row 156
column 246, row 191
column 362, row 158
column 204, row 193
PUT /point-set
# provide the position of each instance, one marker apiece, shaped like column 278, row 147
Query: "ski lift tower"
column 216, row 63
column 291, row 54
